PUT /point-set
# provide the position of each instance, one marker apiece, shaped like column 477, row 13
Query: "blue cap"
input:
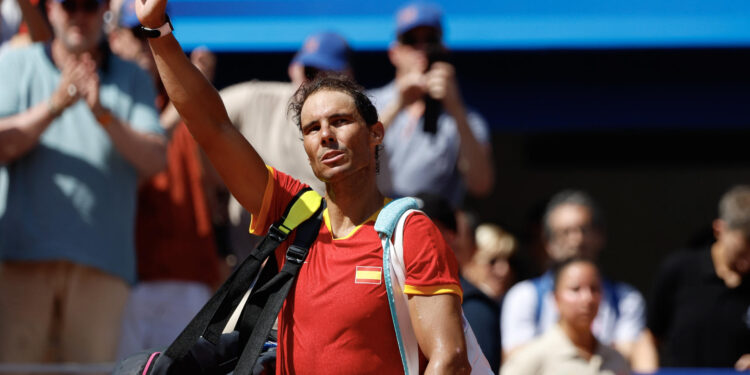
column 128, row 18
column 418, row 14
column 325, row 51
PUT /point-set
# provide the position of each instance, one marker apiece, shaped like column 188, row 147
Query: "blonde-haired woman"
column 489, row 274
column 491, row 268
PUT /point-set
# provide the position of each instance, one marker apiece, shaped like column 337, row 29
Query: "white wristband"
column 163, row 30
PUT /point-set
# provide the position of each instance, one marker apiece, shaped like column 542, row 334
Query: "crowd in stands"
column 115, row 228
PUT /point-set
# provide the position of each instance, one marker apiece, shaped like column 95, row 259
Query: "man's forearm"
column 202, row 110
column 196, row 100
column 20, row 133
column 474, row 158
column 146, row 152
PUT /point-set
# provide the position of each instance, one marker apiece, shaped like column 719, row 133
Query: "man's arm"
column 517, row 317
column 20, row 133
column 147, row 152
column 474, row 158
column 438, row 326
column 201, row 108
column 645, row 356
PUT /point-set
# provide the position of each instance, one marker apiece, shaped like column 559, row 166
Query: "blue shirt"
column 73, row 196
column 415, row 161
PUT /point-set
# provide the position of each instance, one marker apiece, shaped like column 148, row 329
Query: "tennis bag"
column 390, row 228
column 229, row 332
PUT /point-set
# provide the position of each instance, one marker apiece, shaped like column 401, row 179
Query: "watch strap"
column 159, row 32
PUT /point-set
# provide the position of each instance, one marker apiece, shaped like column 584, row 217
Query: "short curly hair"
column 333, row 82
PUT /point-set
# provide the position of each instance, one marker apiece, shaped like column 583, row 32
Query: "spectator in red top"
column 178, row 265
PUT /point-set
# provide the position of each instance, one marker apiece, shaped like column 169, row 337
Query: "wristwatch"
column 163, row 30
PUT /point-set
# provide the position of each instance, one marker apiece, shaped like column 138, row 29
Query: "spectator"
column 574, row 227
column 433, row 143
column 259, row 111
column 78, row 128
column 700, row 306
column 178, row 264
column 570, row 347
column 493, row 267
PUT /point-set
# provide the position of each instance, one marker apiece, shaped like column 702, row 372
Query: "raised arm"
column 201, row 108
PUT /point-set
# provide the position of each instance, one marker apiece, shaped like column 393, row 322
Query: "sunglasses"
column 88, row 6
column 411, row 39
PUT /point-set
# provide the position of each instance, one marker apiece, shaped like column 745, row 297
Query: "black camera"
column 432, row 107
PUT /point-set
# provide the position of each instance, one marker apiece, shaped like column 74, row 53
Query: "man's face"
column 735, row 247
column 572, row 233
column 336, row 138
column 77, row 23
column 412, row 50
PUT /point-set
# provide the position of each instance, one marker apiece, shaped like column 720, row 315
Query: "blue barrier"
column 699, row 371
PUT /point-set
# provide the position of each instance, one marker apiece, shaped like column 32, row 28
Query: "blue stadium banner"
column 281, row 25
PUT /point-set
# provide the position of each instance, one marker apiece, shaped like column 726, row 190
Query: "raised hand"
column 411, row 87
column 151, row 12
column 441, row 85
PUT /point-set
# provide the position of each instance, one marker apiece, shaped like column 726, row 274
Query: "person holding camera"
column 433, row 144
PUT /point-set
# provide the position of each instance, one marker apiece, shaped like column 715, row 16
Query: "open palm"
column 151, row 12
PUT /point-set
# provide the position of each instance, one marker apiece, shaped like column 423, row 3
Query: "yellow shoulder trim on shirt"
column 373, row 217
column 434, row 290
column 257, row 227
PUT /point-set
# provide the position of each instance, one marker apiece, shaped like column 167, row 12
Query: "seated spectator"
column 492, row 266
column 574, row 227
column 700, row 306
column 570, row 347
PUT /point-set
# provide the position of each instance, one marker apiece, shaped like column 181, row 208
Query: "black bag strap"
column 220, row 306
column 264, row 304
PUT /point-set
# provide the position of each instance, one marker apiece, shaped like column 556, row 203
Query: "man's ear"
column 719, row 226
column 377, row 132
column 393, row 53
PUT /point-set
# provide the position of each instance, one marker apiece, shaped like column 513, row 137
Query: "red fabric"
column 174, row 235
column 23, row 28
column 330, row 324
